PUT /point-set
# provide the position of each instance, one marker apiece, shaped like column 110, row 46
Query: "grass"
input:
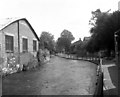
column 110, row 77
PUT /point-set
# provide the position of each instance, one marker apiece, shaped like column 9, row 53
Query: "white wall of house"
column 24, row 31
column 0, row 43
column 10, row 30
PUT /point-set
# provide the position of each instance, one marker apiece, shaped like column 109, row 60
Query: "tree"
column 67, row 34
column 63, row 44
column 102, row 33
column 47, row 41
column 64, row 41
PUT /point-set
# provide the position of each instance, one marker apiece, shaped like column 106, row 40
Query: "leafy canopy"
column 104, row 25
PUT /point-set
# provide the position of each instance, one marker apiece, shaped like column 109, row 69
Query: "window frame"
column 34, row 45
column 9, row 46
column 24, row 49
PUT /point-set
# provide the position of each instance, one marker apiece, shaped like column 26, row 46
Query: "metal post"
column 116, row 49
column 117, row 58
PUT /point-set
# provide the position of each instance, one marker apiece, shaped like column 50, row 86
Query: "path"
column 57, row 77
column 110, row 78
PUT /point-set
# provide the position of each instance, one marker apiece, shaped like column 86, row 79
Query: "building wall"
column 0, row 43
column 26, row 32
column 12, row 30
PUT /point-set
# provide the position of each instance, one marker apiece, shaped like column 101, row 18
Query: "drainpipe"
column 18, row 44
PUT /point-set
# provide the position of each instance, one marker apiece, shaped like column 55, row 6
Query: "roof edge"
column 18, row 19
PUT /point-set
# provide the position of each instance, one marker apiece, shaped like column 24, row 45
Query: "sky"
column 56, row 15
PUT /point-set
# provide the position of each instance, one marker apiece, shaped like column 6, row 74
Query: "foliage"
column 47, row 41
column 64, row 44
column 104, row 25
column 64, row 41
column 67, row 34
column 79, row 48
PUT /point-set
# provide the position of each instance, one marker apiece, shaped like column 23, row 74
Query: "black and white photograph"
column 60, row 47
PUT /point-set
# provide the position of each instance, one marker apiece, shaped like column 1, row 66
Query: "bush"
column 28, row 61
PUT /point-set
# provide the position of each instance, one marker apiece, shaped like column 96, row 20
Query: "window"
column 9, row 43
column 25, row 45
column 34, row 45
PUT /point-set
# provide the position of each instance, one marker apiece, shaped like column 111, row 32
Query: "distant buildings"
column 78, row 46
column 74, row 46
column 77, row 42
column 85, row 40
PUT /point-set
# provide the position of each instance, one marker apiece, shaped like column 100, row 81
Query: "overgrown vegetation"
column 104, row 26
column 47, row 41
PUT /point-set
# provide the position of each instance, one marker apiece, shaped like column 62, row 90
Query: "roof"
column 77, row 42
column 6, row 22
column 86, row 38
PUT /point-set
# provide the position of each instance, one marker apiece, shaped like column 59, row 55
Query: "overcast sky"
column 56, row 15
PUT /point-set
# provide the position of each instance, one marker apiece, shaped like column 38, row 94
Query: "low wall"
column 11, row 64
column 73, row 57
column 28, row 60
